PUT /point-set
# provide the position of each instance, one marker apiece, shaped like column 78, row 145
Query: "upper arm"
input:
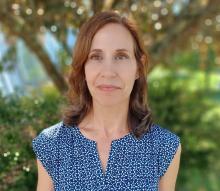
column 168, row 180
column 46, row 151
column 44, row 180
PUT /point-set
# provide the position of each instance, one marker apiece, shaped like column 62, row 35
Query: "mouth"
column 108, row 88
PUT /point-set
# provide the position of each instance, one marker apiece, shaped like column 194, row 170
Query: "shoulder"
column 48, row 140
column 53, row 132
column 46, row 145
column 163, row 134
column 168, row 145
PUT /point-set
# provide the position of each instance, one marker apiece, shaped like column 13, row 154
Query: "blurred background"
column 182, row 38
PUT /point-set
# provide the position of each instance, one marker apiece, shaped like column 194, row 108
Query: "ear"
column 143, row 59
column 137, row 75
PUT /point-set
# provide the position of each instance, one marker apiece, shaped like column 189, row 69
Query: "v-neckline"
column 94, row 142
column 103, row 172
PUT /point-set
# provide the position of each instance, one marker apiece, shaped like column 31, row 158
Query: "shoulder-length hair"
column 139, row 118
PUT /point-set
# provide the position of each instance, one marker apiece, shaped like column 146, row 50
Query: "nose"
column 108, row 68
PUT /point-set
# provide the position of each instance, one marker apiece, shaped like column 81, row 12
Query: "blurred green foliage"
column 21, row 119
column 194, row 116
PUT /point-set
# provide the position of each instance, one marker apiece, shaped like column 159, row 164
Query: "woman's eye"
column 120, row 57
column 95, row 57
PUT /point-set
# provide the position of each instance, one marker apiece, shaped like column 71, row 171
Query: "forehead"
column 113, row 36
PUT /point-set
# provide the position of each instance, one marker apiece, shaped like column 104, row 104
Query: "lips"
column 108, row 87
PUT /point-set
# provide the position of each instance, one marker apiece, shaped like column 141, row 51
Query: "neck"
column 108, row 120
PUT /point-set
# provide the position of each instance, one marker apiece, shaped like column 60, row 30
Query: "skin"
column 168, row 180
column 114, row 64
column 111, row 61
column 110, row 65
column 44, row 180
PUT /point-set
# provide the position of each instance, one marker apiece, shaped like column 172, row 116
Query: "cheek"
column 129, row 74
column 129, row 80
column 88, row 73
column 130, row 84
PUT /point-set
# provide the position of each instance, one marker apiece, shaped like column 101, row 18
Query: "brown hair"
column 78, row 95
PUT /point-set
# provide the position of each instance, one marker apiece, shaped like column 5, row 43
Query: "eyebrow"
column 118, row 50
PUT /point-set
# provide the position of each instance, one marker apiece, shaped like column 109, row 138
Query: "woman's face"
column 111, row 68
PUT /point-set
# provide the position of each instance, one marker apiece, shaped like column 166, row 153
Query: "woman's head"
column 111, row 68
column 108, row 51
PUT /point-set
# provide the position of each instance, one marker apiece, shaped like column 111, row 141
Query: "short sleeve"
column 168, row 145
column 45, row 149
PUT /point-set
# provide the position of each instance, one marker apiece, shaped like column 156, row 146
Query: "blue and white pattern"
column 73, row 162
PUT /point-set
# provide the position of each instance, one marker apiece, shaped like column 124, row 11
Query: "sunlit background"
column 182, row 38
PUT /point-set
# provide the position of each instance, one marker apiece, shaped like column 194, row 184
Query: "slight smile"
column 108, row 88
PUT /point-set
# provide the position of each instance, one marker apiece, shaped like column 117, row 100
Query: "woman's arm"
column 168, row 181
column 44, row 180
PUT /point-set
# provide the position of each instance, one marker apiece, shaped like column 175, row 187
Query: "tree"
column 166, row 26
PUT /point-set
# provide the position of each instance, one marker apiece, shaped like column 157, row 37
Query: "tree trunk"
column 32, row 43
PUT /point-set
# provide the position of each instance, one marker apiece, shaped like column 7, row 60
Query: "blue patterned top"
column 72, row 160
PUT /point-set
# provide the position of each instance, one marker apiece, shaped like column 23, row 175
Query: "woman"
column 107, row 140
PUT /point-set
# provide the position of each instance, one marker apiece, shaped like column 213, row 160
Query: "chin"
column 108, row 101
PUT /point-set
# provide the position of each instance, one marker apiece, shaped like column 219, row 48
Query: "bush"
column 21, row 119
column 194, row 116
